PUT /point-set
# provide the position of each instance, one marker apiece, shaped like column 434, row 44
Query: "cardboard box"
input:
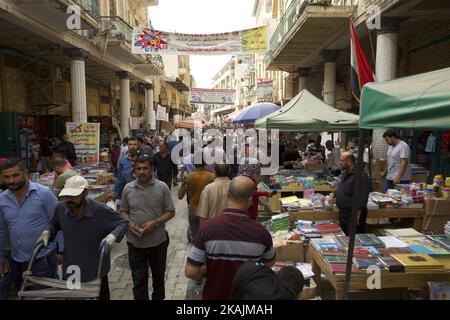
column 290, row 251
column 434, row 224
column 309, row 293
column 437, row 207
column 419, row 177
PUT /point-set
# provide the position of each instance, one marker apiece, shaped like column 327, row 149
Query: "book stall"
column 300, row 181
column 99, row 178
column 405, row 258
column 418, row 102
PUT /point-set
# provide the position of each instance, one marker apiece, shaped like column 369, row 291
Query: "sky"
column 203, row 16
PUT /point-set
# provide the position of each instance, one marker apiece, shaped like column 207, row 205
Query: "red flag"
column 361, row 72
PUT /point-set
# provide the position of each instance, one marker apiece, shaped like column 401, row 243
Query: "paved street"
column 120, row 282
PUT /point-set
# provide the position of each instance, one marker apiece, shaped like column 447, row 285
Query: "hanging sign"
column 161, row 113
column 86, row 139
column 150, row 41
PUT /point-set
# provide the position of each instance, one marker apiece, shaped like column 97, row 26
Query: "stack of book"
column 306, row 269
column 403, row 233
column 416, row 262
column 442, row 240
column 281, row 222
column 328, row 229
column 309, row 232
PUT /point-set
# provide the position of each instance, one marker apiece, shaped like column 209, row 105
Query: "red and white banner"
column 212, row 96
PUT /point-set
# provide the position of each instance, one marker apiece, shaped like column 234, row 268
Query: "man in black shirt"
column 86, row 225
column 344, row 194
column 290, row 156
column 163, row 164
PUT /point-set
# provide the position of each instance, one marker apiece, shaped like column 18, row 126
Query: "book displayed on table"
column 416, row 256
column 418, row 262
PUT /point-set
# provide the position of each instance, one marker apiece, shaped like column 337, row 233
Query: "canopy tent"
column 418, row 102
column 258, row 110
column 305, row 112
column 189, row 123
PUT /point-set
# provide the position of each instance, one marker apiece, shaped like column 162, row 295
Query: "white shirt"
column 394, row 154
column 333, row 159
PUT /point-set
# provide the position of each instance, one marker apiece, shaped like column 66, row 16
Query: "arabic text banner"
column 86, row 139
column 148, row 41
column 212, row 96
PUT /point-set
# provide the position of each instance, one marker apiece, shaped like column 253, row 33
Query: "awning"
column 418, row 102
column 306, row 113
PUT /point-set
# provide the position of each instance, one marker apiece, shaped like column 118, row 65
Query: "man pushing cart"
column 87, row 226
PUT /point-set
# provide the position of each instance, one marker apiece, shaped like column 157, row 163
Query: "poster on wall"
column 86, row 139
column 150, row 41
column 161, row 113
column 212, row 96
column 264, row 89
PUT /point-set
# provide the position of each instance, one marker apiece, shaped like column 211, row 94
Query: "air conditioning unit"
column 49, row 73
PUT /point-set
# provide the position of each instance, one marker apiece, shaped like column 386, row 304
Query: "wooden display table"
column 275, row 200
column 310, row 215
column 358, row 281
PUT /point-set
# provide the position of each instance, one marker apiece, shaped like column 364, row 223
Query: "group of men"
column 223, row 227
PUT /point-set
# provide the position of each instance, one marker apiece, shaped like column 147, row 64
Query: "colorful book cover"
column 389, row 251
column 366, row 263
column 340, row 268
column 420, row 249
column 336, row 259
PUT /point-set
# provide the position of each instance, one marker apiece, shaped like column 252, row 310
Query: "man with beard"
column 86, row 225
column 25, row 210
column 147, row 205
column 126, row 166
column 163, row 165
column 344, row 194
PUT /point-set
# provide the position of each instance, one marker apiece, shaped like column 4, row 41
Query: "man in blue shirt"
column 26, row 208
column 125, row 168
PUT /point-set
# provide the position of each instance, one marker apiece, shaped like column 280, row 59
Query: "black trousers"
column 345, row 220
column 140, row 260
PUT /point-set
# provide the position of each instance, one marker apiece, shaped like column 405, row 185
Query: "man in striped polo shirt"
column 225, row 242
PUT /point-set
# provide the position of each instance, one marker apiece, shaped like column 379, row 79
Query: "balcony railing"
column 119, row 28
column 291, row 16
column 90, row 7
column 156, row 60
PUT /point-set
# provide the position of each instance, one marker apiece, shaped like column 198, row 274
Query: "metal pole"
column 356, row 196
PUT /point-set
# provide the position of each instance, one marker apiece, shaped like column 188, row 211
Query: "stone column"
column 329, row 76
column 385, row 69
column 78, row 84
column 149, row 111
column 125, row 103
column 289, row 86
column 303, row 74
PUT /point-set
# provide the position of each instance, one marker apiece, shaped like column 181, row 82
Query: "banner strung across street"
column 264, row 89
column 86, row 139
column 148, row 41
column 212, row 96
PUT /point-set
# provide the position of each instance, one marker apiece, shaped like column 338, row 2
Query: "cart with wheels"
column 42, row 288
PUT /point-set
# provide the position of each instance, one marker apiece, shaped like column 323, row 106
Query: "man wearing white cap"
column 86, row 225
